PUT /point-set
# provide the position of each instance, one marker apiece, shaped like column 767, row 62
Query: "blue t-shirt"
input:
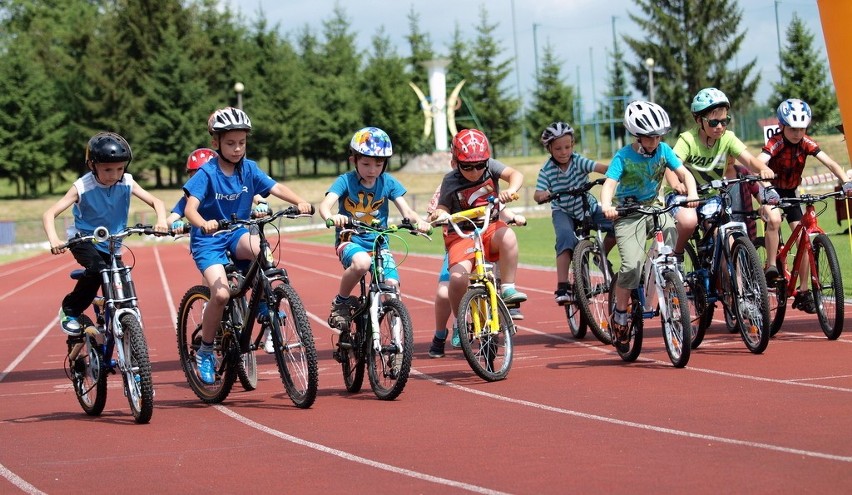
column 101, row 206
column 221, row 196
column 365, row 204
column 180, row 206
column 639, row 176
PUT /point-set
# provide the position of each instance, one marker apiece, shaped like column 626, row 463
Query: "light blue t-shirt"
column 101, row 206
column 365, row 204
column 639, row 176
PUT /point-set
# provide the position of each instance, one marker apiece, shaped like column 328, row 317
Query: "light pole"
column 649, row 63
column 239, row 88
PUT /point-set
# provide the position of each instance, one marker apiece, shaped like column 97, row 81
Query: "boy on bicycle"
column 636, row 172
column 223, row 187
column 100, row 198
column 364, row 194
column 564, row 170
column 476, row 178
column 785, row 153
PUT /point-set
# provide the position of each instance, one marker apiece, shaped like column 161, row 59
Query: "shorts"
column 347, row 250
column 461, row 248
column 216, row 249
column 631, row 233
column 444, row 275
column 793, row 212
column 566, row 236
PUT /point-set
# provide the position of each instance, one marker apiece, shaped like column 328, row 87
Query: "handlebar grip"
column 329, row 223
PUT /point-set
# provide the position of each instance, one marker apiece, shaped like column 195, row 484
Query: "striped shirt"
column 552, row 178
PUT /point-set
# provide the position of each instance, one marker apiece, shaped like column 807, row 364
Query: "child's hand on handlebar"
column 210, row 226
column 305, row 208
column 507, row 196
column 609, row 212
column 337, row 220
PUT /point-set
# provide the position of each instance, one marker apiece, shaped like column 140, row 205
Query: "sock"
column 508, row 286
column 205, row 347
column 441, row 334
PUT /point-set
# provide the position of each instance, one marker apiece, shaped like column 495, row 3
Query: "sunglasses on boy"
column 715, row 122
column 468, row 167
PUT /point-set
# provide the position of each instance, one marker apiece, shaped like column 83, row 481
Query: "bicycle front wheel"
column 488, row 353
column 628, row 351
column 295, row 352
column 695, row 284
column 188, row 342
column 828, row 293
column 750, row 299
column 591, row 282
column 137, row 376
column 776, row 289
column 353, row 356
column 87, row 371
column 390, row 365
column 677, row 332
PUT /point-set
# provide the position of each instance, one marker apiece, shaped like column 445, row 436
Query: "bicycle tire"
column 829, row 312
column 776, row 290
column 573, row 312
column 695, row 283
column 676, row 325
column 750, row 298
column 390, row 365
column 295, row 352
column 87, row 372
column 188, row 341
column 353, row 360
column 630, row 351
column 138, row 383
column 592, row 286
column 489, row 355
column 247, row 365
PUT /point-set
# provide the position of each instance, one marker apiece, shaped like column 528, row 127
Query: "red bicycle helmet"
column 198, row 158
column 471, row 145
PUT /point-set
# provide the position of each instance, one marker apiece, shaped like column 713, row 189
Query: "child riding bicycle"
column 636, row 172
column 100, row 198
column 565, row 170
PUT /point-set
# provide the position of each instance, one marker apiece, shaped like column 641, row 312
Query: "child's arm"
column 195, row 218
column 325, row 206
column 686, row 177
column 674, row 181
column 155, row 203
column 832, row 165
column 515, row 179
column 411, row 215
column 283, row 192
column 757, row 166
column 49, row 217
column 607, row 192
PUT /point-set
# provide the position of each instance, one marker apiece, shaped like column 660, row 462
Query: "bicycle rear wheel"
column 295, row 353
column 776, row 289
column 87, row 372
column 828, row 294
column 592, row 286
column 189, row 340
column 750, row 299
column 677, row 332
column 137, row 377
column 489, row 354
column 390, row 365
column 247, row 365
column 352, row 356
column 695, row 284
column 630, row 350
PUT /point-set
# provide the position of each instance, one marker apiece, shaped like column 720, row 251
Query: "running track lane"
column 570, row 417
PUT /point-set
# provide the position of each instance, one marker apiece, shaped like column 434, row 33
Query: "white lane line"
column 34, row 281
column 641, row 426
column 354, row 458
column 19, row 482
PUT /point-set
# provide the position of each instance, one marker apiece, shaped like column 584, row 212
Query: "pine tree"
column 552, row 100
column 804, row 76
column 616, row 93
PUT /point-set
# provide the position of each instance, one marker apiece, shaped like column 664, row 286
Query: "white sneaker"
column 268, row 346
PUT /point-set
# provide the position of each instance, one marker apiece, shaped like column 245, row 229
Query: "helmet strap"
column 641, row 150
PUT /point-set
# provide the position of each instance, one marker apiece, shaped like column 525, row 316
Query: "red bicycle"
column 809, row 240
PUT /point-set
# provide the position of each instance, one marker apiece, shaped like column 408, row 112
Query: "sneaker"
column 621, row 329
column 456, row 340
column 516, row 313
column 511, row 295
column 804, row 301
column 69, row 324
column 341, row 312
column 562, row 297
column 437, row 349
column 206, row 362
column 771, row 273
column 268, row 346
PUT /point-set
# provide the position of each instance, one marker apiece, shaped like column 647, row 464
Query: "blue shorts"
column 215, row 250
column 348, row 250
column 444, row 275
column 563, row 225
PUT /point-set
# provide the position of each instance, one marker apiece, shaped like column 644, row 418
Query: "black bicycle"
column 380, row 336
column 286, row 319
column 115, row 342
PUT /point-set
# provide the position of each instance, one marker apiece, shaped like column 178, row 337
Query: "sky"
column 580, row 31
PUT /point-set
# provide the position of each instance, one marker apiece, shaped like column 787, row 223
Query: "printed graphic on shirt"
column 365, row 209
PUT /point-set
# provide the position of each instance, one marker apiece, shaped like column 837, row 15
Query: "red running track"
column 571, row 417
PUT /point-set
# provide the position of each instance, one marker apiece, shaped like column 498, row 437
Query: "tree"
column 552, row 100
column 617, row 91
column 803, row 76
column 693, row 43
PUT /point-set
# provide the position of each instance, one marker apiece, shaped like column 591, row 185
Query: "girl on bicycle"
column 564, row 170
column 709, row 152
column 636, row 172
column 785, row 153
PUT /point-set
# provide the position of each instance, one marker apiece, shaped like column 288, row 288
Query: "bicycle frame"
column 801, row 237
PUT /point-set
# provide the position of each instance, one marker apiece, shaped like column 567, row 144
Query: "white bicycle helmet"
column 794, row 113
column 228, row 119
column 643, row 118
column 555, row 131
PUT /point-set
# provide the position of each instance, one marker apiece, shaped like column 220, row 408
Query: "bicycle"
column 286, row 319
column 115, row 342
column 723, row 266
column 484, row 322
column 809, row 240
column 380, row 336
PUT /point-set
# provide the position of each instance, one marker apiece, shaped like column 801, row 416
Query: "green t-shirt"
column 707, row 164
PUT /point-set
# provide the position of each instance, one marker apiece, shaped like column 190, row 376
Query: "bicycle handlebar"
column 101, row 234
column 574, row 192
column 289, row 212
column 808, row 199
column 725, row 183
column 628, row 208
column 358, row 227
